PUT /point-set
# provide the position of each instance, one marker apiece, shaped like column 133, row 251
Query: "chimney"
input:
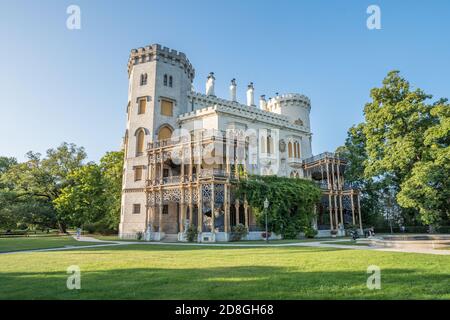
column 233, row 90
column 250, row 95
column 210, row 84
column 263, row 102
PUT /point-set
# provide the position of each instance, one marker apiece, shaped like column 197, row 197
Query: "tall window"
column 140, row 142
column 165, row 79
column 170, row 81
column 136, row 208
column 166, row 108
column 269, row 144
column 142, row 105
column 137, row 173
column 297, row 150
column 143, row 81
column 164, row 133
column 290, row 149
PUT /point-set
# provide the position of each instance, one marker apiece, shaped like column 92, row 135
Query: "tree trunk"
column 62, row 227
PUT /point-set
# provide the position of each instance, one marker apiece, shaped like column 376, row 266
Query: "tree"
column 82, row 201
column 427, row 187
column 291, row 201
column 111, row 166
column 40, row 180
column 354, row 151
column 93, row 194
column 401, row 151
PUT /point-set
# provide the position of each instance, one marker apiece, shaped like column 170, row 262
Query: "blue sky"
column 71, row 85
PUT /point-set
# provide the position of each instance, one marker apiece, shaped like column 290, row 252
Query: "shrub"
column 98, row 227
column 139, row 235
column 238, row 232
column 310, row 232
column 191, row 233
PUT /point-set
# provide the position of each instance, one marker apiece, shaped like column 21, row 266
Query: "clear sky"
column 60, row 85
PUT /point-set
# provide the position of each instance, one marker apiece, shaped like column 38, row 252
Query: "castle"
column 183, row 150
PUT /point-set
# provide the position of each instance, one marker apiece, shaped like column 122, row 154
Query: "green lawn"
column 346, row 243
column 187, row 272
column 31, row 243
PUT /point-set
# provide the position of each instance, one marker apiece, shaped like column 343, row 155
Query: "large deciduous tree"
column 402, row 149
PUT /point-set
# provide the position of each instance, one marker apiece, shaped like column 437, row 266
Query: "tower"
column 159, row 82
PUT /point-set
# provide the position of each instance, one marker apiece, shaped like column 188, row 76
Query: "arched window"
column 170, row 81
column 140, row 138
column 290, row 149
column 165, row 79
column 295, row 149
column 164, row 133
column 298, row 150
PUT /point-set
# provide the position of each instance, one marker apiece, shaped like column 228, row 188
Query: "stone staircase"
column 170, row 237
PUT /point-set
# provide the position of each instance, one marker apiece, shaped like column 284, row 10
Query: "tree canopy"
column 402, row 149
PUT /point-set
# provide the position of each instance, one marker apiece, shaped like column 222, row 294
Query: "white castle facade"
column 183, row 150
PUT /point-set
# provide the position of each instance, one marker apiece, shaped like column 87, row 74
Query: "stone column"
column 246, row 213
column 226, row 208
column 353, row 208
column 190, row 206
column 336, row 210
column 236, row 205
column 213, row 218
column 200, row 209
column 160, row 211
column 331, row 213
column 359, row 214
column 340, row 207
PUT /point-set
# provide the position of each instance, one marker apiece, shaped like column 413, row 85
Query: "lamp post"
column 266, row 205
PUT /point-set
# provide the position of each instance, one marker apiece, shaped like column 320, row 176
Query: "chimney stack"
column 210, row 84
column 250, row 95
column 263, row 102
column 233, row 90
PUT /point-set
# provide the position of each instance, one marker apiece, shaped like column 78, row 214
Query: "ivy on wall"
column 291, row 202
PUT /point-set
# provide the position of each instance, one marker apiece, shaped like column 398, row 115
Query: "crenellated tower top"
column 156, row 52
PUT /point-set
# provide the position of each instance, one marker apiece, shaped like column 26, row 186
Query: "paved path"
column 108, row 243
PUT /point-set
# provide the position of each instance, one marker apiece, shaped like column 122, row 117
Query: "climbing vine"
column 291, row 202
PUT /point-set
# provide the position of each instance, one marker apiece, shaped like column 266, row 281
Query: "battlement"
column 213, row 104
column 157, row 52
column 290, row 99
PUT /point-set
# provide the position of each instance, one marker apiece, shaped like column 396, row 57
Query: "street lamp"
column 266, row 205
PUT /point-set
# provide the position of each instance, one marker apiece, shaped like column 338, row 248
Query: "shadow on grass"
column 243, row 282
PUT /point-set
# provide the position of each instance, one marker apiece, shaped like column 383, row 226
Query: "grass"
column 142, row 271
column 346, row 243
column 32, row 243
column 111, row 238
